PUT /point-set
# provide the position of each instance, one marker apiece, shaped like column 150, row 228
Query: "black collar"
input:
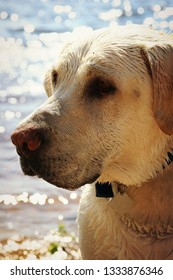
column 105, row 189
column 170, row 157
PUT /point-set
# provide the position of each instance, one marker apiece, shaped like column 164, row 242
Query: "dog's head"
column 109, row 115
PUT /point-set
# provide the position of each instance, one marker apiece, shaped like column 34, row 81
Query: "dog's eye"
column 54, row 77
column 101, row 88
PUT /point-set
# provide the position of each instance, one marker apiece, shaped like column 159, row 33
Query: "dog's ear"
column 159, row 61
column 48, row 83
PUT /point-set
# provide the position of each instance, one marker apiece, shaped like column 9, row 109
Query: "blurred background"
column 31, row 33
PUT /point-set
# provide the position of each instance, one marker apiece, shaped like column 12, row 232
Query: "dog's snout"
column 26, row 140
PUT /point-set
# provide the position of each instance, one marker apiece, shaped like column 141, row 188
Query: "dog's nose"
column 26, row 140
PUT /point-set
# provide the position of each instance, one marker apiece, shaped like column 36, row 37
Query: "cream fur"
column 109, row 117
column 135, row 225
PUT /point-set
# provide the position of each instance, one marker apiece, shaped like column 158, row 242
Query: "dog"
column 108, row 124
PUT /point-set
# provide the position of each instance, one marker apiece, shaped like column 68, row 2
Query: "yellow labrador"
column 108, row 122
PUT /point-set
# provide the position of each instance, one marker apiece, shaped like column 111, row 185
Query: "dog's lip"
column 30, row 170
column 26, row 168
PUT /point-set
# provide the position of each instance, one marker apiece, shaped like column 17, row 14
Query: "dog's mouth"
column 27, row 169
column 34, row 168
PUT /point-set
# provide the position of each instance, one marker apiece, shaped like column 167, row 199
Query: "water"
column 31, row 33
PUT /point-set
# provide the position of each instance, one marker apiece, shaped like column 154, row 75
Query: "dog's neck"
column 146, row 211
column 110, row 189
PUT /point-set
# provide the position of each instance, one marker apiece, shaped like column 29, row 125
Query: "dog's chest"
column 123, row 228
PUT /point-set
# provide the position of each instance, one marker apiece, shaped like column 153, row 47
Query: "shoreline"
column 58, row 244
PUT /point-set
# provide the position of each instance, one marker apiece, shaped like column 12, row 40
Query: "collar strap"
column 170, row 158
column 105, row 189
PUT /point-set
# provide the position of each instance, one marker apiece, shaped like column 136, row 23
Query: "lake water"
column 31, row 32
